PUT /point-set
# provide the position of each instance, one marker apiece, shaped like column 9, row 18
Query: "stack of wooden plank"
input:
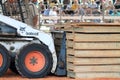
column 93, row 50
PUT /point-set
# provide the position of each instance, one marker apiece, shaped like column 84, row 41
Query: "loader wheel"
column 12, row 65
column 1, row 60
column 34, row 61
column 4, row 60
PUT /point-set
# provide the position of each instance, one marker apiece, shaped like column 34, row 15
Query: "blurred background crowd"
column 79, row 7
column 68, row 8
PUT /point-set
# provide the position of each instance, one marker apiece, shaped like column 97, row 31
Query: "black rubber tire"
column 20, row 58
column 12, row 66
column 6, row 60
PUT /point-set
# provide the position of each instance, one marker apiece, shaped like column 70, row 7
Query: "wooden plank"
column 94, row 53
column 96, row 37
column 95, row 45
column 96, row 24
column 92, row 61
column 69, row 43
column 66, row 27
column 98, row 29
column 70, row 51
column 48, row 24
column 69, row 36
column 92, row 75
column 98, row 68
column 63, row 26
column 68, row 30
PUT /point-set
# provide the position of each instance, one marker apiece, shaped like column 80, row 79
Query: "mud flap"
column 61, row 66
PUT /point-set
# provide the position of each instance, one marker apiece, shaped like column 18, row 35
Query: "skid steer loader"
column 25, row 50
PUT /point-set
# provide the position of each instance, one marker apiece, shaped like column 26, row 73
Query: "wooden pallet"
column 93, row 53
column 93, row 68
column 90, row 27
column 93, row 50
column 92, row 61
column 86, row 75
column 95, row 37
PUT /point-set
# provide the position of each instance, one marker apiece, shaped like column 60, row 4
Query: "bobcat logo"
column 22, row 28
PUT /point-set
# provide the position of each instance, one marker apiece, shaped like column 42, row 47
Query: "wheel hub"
column 1, row 60
column 33, row 61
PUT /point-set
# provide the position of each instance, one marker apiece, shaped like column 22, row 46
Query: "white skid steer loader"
column 27, row 51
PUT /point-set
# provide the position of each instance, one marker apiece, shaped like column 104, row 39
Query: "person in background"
column 117, row 5
column 11, row 7
column 53, row 13
column 81, row 11
column 85, row 6
column 36, row 3
column 98, row 3
column 110, row 7
column 75, row 6
column 41, row 7
column 66, row 6
column 33, row 15
column 117, row 9
column 46, row 11
column 113, row 1
column 93, row 4
column 52, row 3
column 93, row 7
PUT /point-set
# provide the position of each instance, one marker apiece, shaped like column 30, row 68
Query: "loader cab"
column 17, row 9
column 12, row 8
column 21, row 10
column 7, row 30
column 1, row 11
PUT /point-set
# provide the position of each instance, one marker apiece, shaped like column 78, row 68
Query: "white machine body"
column 31, row 35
